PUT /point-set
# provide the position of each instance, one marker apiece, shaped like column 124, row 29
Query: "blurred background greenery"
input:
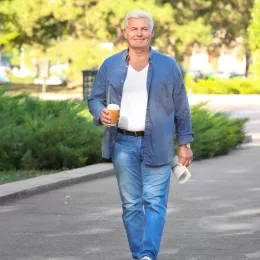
column 37, row 135
column 80, row 34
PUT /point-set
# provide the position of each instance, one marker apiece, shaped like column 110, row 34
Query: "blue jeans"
column 144, row 194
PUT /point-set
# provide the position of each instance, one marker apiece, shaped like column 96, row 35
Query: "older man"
column 148, row 87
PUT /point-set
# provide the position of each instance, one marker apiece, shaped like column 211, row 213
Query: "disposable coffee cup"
column 181, row 172
column 113, row 111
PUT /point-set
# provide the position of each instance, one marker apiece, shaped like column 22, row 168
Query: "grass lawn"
column 12, row 176
column 18, row 88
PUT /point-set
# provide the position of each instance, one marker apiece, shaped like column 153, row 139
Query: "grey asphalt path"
column 216, row 215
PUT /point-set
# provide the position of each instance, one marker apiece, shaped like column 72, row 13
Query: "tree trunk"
column 248, row 60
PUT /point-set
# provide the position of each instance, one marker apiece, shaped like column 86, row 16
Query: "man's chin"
column 140, row 45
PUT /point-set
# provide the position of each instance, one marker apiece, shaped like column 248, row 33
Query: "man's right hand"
column 105, row 117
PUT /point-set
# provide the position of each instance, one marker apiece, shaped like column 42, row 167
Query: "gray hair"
column 139, row 14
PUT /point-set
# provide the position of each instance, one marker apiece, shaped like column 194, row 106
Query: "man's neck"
column 138, row 59
column 139, row 54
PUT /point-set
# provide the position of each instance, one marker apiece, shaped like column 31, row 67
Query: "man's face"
column 138, row 33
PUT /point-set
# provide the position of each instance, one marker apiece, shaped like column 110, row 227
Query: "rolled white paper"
column 181, row 172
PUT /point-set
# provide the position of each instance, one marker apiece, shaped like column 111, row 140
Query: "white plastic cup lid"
column 113, row 107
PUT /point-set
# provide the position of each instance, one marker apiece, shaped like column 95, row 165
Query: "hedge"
column 215, row 133
column 41, row 135
column 38, row 134
column 223, row 86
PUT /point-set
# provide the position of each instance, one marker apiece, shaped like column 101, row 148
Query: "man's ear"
column 152, row 33
column 125, row 33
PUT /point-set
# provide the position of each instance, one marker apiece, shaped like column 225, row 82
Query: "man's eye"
column 133, row 29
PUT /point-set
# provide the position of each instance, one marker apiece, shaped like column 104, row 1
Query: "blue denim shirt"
column 167, row 108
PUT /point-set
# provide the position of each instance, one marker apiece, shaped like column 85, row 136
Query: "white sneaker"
column 145, row 258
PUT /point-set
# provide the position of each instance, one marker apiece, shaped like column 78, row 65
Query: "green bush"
column 38, row 135
column 4, row 88
column 215, row 133
column 223, row 86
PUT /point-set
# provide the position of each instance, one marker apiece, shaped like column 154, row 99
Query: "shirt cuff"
column 185, row 139
column 96, row 119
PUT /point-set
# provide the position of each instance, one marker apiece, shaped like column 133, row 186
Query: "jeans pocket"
column 118, row 138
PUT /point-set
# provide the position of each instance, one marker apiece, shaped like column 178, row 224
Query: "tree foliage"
column 254, row 38
column 231, row 15
column 254, row 29
column 179, row 24
column 229, row 20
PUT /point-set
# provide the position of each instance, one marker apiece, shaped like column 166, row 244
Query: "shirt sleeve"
column 182, row 118
column 97, row 99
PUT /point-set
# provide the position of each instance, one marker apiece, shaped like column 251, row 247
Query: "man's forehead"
column 138, row 21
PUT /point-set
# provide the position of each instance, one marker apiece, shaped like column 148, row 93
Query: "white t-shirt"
column 134, row 100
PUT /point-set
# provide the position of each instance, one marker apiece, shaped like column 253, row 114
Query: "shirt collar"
column 125, row 54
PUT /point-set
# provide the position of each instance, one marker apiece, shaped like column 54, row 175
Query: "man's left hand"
column 185, row 155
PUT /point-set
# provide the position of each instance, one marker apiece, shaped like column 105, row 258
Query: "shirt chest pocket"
column 164, row 99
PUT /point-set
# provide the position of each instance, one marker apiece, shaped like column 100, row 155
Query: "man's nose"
column 139, row 32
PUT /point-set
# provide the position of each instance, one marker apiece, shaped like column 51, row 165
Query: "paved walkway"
column 215, row 216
